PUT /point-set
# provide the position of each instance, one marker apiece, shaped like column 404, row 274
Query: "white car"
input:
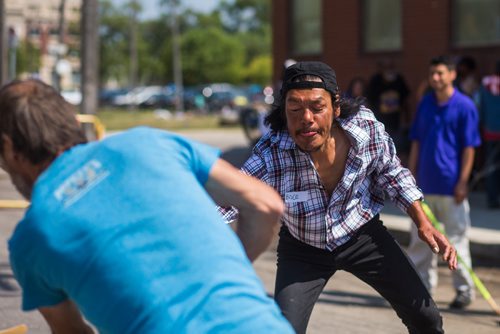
column 72, row 96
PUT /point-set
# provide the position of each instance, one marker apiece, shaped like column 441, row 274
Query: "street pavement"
column 347, row 305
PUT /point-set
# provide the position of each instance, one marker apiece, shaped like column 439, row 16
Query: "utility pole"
column 13, row 43
column 90, row 56
column 176, row 51
column 62, row 21
column 3, row 45
column 60, row 50
column 134, row 10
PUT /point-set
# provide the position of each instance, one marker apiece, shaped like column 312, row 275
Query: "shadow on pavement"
column 352, row 299
column 443, row 308
column 8, row 285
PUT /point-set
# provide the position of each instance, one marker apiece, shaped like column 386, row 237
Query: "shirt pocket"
column 297, row 212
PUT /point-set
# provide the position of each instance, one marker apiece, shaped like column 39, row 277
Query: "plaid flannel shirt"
column 372, row 169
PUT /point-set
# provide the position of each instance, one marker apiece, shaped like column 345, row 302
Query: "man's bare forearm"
column 65, row 318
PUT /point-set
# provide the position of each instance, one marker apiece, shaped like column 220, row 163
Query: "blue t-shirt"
column 125, row 229
column 443, row 132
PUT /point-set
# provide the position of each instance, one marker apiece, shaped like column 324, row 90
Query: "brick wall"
column 426, row 31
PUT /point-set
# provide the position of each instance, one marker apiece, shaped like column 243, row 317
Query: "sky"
column 150, row 7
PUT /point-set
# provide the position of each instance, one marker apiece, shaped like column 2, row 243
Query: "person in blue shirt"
column 444, row 135
column 124, row 233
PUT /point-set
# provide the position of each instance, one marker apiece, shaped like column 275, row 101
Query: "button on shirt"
column 372, row 169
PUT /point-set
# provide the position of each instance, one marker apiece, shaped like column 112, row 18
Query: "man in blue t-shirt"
column 125, row 231
column 444, row 135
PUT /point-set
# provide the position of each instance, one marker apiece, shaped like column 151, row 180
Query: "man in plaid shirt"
column 332, row 162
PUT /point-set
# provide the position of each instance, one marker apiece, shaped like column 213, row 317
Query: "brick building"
column 353, row 35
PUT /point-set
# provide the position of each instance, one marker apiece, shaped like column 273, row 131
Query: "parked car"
column 219, row 95
column 194, row 99
column 141, row 95
column 106, row 96
column 73, row 96
column 229, row 115
column 159, row 100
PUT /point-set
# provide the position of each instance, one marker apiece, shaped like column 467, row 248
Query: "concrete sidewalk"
column 484, row 235
column 347, row 305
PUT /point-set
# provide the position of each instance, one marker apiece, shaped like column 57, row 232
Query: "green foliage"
column 114, row 39
column 211, row 55
column 255, row 44
column 27, row 58
column 191, row 19
column 231, row 44
column 74, row 28
column 260, row 70
column 246, row 15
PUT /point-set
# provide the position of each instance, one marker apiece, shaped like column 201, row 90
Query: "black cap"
column 316, row 68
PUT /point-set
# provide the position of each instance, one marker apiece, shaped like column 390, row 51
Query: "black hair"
column 352, row 83
column 276, row 119
column 443, row 60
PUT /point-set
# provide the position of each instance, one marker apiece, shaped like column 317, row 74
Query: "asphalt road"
column 346, row 306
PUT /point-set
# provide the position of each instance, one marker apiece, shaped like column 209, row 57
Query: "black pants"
column 373, row 256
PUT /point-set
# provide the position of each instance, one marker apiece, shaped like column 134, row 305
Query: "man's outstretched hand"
column 438, row 244
column 430, row 235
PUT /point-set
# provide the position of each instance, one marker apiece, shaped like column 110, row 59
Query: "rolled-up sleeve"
column 255, row 167
column 396, row 181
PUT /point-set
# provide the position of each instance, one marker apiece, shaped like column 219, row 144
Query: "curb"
column 485, row 252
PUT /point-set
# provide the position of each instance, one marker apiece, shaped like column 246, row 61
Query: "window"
column 382, row 25
column 476, row 22
column 34, row 31
column 306, row 27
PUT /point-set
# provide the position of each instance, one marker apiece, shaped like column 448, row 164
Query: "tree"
column 230, row 44
column 133, row 9
column 28, row 58
column 90, row 59
column 192, row 19
column 155, row 67
column 246, row 15
column 250, row 20
column 256, row 44
column 259, row 70
column 212, row 55
column 173, row 6
column 114, row 51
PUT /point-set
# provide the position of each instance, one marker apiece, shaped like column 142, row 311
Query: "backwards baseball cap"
column 315, row 68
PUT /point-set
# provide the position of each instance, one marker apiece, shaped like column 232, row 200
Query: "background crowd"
column 387, row 94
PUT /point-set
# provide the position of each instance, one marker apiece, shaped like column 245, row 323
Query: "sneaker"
column 461, row 301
